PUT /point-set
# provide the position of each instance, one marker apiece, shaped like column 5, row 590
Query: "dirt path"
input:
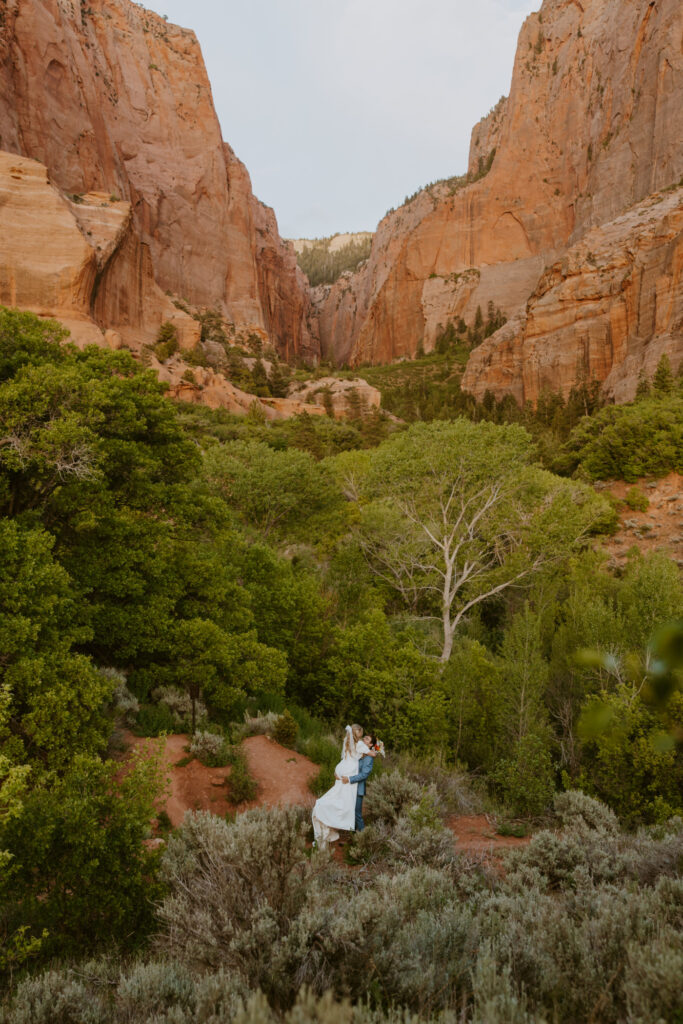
column 475, row 835
column 281, row 775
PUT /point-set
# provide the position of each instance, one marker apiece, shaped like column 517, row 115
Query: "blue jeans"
column 360, row 824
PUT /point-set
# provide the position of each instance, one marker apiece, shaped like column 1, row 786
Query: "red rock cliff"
column 113, row 99
column 593, row 125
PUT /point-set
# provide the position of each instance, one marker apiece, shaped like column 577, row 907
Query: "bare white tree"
column 448, row 530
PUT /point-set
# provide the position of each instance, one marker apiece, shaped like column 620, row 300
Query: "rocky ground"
column 658, row 528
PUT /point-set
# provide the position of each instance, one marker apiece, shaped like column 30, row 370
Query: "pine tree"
column 643, row 388
column 260, row 378
column 663, row 380
column 278, row 381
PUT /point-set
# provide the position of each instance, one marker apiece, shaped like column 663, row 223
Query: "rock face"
column 213, row 389
column 82, row 263
column 113, row 99
column 486, row 138
column 591, row 128
column 609, row 308
column 343, row 399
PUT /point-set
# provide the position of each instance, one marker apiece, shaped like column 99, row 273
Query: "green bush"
column 285, row 730
column 627, row 765
column 153, row 720
column 637, row 499
column 626, row 442
column 167, row 343
column 527, row 779
column 242, row 787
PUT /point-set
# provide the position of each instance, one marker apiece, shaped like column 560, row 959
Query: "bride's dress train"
column 336, row 809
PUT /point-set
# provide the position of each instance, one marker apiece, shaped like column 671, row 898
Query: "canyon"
column 122, row 207
column 592, row 128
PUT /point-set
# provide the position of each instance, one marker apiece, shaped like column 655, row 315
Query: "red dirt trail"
column 282, row 777
column 476, row 835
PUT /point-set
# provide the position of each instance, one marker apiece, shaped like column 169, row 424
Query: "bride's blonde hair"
column 353, row 734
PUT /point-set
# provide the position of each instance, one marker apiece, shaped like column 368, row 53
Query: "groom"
column 364, row 768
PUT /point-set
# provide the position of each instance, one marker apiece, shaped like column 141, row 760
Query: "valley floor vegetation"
column 167, row 566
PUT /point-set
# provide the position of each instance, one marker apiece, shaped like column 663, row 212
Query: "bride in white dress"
column 336, row 809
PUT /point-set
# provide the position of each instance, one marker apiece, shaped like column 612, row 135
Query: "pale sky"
column 341, row 108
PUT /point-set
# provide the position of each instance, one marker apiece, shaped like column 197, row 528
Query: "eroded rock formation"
column 344, row 399
column 591, row 128
column 609, row 308
column 112, row 99
column 80, row 262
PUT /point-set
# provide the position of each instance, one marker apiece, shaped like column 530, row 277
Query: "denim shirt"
column 364, row 768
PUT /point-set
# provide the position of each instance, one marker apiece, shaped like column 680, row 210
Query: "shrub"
column 637, row 499
column 259, row 724
column 234, row 890
column 153, row 988
column 153, row 720
column 406, row 843
column 242, row 786
column 455, row 789
column 526, row 779
column 576, row 809
column 652, row 980
column 167, row 341
column 391, row 796
column 210, row 748
column 126, row 705
column 179, row 703
column 323, row 781
column 285, row 729
column 54, row 997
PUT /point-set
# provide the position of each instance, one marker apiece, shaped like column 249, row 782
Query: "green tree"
column 525, row 775
column 79, row 869
column 167, row 343
column 455, row 514
column 663, row 382
column 388, row 685
column 260, row 378
column 224, row 668
column 626, row 442
column 53, row 698
column 273, row 491
column 279, row 380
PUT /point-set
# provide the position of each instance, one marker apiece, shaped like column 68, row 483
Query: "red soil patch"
column 475, row 834
column 660, row 528
column 281, row 775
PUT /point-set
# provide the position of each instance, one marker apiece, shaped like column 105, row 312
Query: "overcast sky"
column 341, row 108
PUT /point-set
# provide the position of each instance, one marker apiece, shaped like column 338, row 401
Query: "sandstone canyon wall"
column 592, row 127
column 113, row 100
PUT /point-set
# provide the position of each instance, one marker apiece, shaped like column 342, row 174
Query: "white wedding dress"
column 336, row 809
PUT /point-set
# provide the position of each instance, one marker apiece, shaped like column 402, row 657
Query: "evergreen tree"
column 663, row 380
column 260, row 378
column 278, row 380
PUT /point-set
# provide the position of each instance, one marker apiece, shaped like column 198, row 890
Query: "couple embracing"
column 342, row 806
